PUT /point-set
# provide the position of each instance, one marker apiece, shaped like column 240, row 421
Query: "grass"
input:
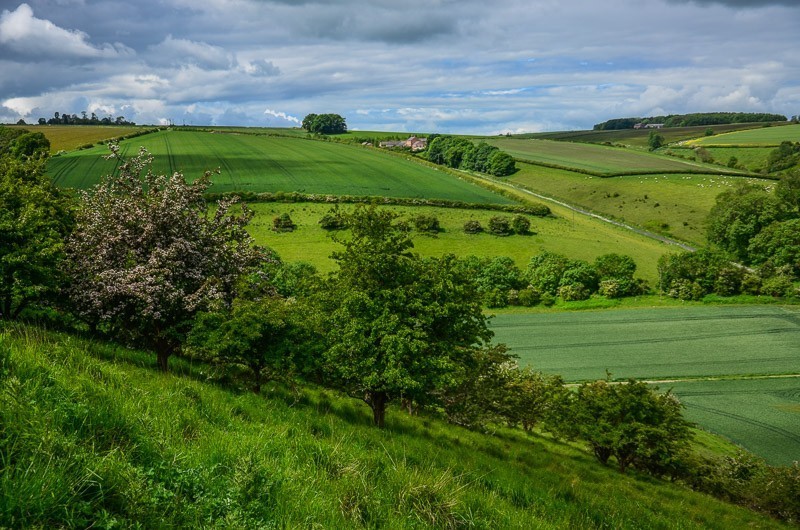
column 763, row 137
column 94, row 437
column 679, row 343
column 581, row 237
column 596, row 159
column 69, row 137
column 673, row 205
column 266, row 163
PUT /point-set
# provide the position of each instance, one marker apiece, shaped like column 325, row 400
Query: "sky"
column 445, row 66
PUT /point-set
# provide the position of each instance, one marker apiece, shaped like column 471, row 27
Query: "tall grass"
column 93, row 436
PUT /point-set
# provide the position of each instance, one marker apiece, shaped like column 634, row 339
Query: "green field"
column 674, row 205
column 764, row 136
column 760, row 414
column 266, row 163
column 596, row 159
column 582, row 238
column 639, row 137
column 676, row 344
column 69, row 137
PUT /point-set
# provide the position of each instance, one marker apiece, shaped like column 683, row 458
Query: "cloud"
column 282, row 116
column 746, row 4
column 22, row 32
column 176, row 52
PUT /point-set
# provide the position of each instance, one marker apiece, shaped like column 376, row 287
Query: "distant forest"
column 691, row 120
column 83, row 119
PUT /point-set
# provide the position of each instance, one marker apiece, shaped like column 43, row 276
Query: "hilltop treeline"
column 690, row 120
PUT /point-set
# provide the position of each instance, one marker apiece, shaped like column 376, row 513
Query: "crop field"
column 760, row 414
column 681, row 343
column 583, row 238
column 764, row 136
column 637, row 137
column 675, row 205
column 596, row 159
column 265, row 163
column 69, row 137
column 752, row 158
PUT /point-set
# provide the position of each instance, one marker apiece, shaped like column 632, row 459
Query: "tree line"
column 461, row 153
column 145, row 260
column 84, row 119
column 690, row 120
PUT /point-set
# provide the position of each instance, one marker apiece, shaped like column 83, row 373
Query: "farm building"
column 414, row 143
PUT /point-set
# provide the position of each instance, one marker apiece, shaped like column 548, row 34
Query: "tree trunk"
column 377, row 401
column 163, row 351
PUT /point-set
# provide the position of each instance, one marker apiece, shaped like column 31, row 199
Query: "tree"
column 521, row 224
column 400, row 326
column 501, row 164
column 739, row 215
column 545, row 270
column 258, row 335
column 35, row 218
column 632, row 423
column 788, row 190
column 500, row 226
column 148, row 253
column 655, row 140
column 779, row 245
column 30, row 145
column 324, row 124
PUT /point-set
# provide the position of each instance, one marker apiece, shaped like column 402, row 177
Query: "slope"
column 92, row 436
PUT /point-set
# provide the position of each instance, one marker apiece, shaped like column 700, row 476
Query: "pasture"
column 69, row 137
column 583, row 238
column 596, row 159
column 673, row 205
column 678, row 344
column 267, row 163
column 763, row 136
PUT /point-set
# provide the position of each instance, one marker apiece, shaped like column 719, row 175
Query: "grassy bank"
column 93, row 436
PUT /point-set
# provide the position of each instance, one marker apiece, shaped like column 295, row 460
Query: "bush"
column 500, row 226
column 548, row 300
column 778, row 286
column 472, row 227
column 521, row 224
column 573, row 292
column 496, row 298
column 332, row 220
column 283, row 223
column 426, row 223
column 528, row 297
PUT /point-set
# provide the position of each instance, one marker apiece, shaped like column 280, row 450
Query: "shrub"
column 778, row 286
column 496, row 298
column 426, row 223
column 529, row 297
column 500, row 226
column 573, row 292
column 548, row 300
column 283, row 223
column 521, row 224
column 332, row 220
column 472, row 227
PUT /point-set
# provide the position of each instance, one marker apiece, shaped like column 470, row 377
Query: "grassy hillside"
column 720, row 345
column 94, row 437
column 595, row 159
column 675, row 205
column 580, row 237
column 638, row 137
column 268, row 163
column 761, row 137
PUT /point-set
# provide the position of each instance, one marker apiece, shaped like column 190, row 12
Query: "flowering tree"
column 147, row 253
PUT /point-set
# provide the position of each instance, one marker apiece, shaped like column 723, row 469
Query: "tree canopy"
column 324, row 124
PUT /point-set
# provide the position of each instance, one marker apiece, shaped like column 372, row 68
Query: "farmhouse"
column 648, row 126
column 413, row 143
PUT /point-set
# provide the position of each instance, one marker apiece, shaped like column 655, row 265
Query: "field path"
column 582, row 211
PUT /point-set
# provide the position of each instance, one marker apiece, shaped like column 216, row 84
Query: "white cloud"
column 21, row 31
